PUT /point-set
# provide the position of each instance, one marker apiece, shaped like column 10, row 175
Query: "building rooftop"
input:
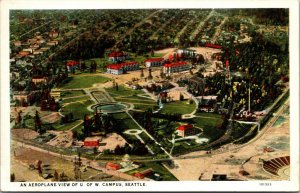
column 175, row 64
column 184, row 127
column 154, row 60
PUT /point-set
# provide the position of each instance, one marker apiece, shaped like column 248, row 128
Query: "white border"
column 293, row 5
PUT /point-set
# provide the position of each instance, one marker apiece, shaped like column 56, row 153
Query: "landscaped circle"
column 133, row 132
column 110, row 108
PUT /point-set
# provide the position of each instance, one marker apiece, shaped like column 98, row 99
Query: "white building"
column 154, row 62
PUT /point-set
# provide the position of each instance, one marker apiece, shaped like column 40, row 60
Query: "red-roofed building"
column 144, row 173
column 53, row 34
column 122, row 67
column 72, row 64
column 176, row 67
column 154, row 62
column 91, row 142
column 112, row 166
column 117, row 56
column 213, row 46
column 185, row 130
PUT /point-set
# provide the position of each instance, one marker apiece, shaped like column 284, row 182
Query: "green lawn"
column 209, row 126
column 125, row 122
column 80, row 98
column 145, row 107
column 101, row 63
column 72, row 93
column 159, row 55
column 78, row 109
column 123, row 91
column 66, row 126
column 212, row 115
column 181, row 107
column 84, row 81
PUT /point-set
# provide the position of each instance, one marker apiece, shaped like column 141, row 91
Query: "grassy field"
column 209, row 115
column 159, row 55
column 66, row 126
column 181, row 107
column 72, row 93
column 76, row 99
column 209, row 126
column 84, row 81
column 79, row 109
column 125, row 122
column 128, row 95
column 123, row 91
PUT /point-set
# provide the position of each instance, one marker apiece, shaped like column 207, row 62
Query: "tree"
column 37, row 122
column 86, row 126
column 97, row 121
column 150, row 77
column 181, row 98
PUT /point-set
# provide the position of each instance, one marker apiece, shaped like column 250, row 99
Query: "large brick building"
column 122, row 67
column 176, row 67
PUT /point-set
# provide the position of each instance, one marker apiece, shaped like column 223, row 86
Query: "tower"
column 249, row 91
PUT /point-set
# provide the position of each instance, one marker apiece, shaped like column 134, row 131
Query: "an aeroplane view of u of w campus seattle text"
column 149, row 94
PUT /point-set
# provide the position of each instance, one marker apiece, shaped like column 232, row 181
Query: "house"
column 45, row 48
column 117, row 56
column 122, row 67
column 17, row 43
column 36, row 52
column 152, row 62
column 52, row 43
column 55, row 93
column 72, row 65
column 112, row 166
column 39, row 79
column 207, row 103
column 144, row 173
column 91, row 142
column 21, row 96
column 53, row 34
column 41, row 41
column 32, row 41
column 24, row 53
column 186, row 130
column 176, row 67
column 30, row 50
